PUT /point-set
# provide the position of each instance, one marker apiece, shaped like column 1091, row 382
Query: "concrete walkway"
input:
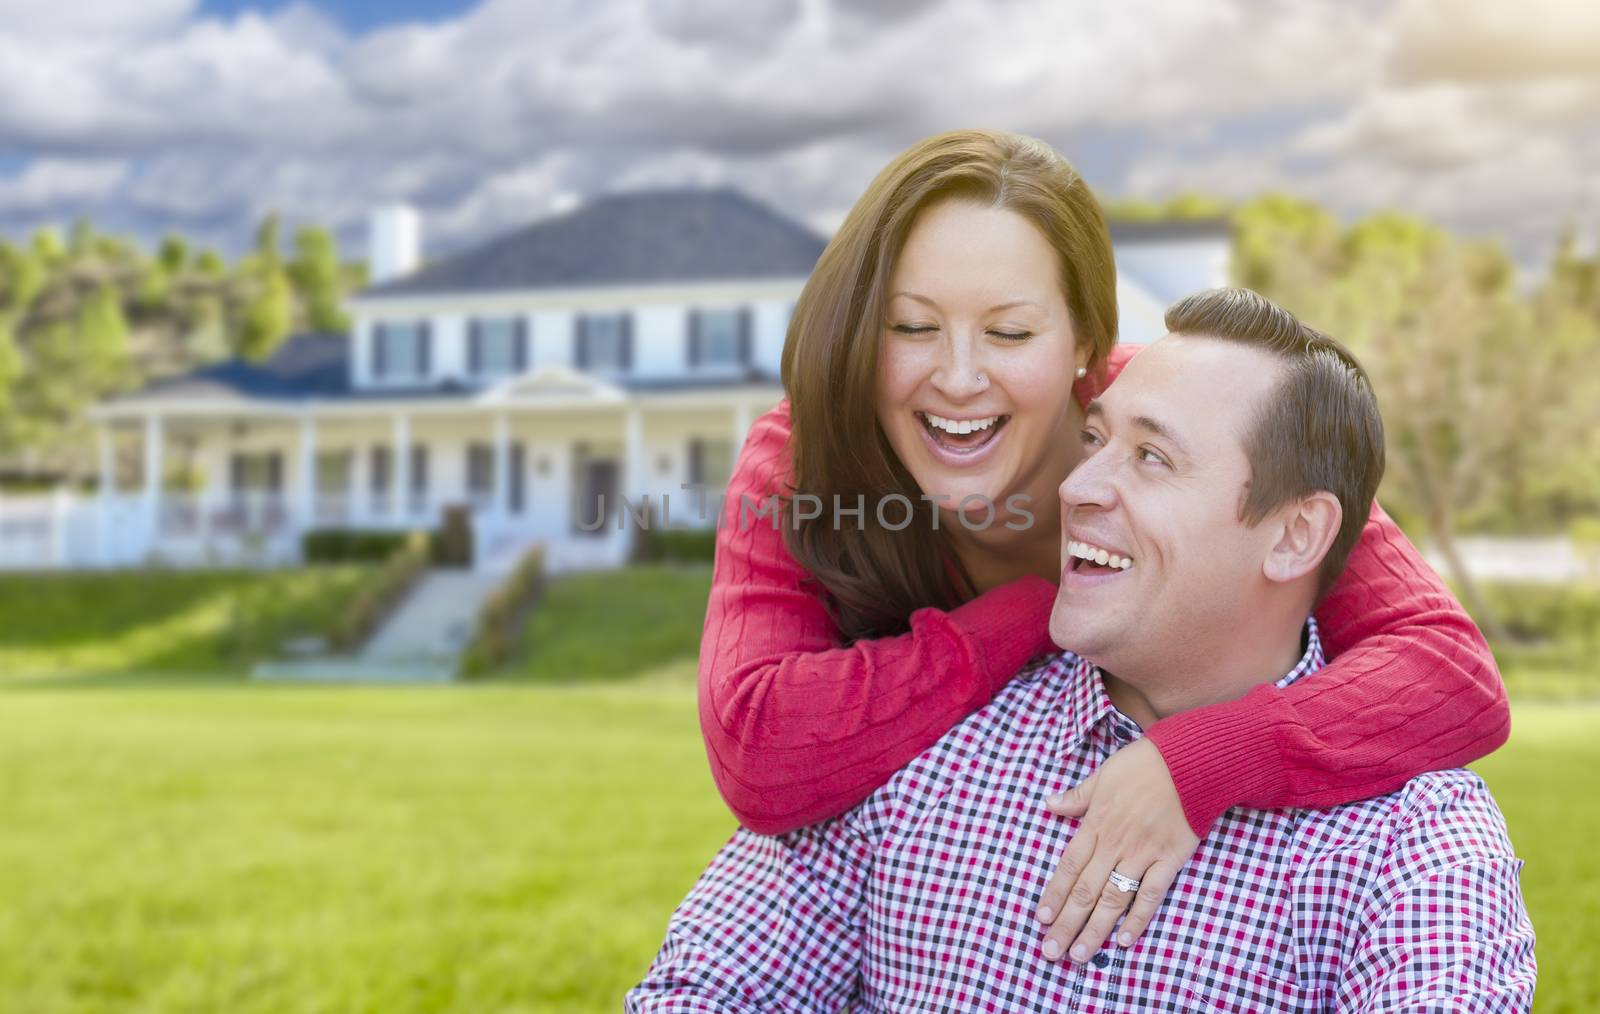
column 420, row 643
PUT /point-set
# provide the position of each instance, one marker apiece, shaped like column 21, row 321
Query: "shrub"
column 672, row 545
column 377, row 599
column 350, row 545
column 1555, row 614
column 452, row 545
column 500, row 620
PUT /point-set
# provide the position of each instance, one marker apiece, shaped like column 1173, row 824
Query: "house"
column 617, row 350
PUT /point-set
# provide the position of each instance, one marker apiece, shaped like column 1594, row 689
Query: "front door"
column 599, row 485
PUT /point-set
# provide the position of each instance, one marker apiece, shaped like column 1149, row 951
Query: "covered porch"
column 546, row 458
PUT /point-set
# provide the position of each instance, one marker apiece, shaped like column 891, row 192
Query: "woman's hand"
column 1133, row 823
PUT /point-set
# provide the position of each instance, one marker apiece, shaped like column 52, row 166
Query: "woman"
column 929, row 356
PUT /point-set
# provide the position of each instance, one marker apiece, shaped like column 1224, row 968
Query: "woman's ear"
column 1306, row 530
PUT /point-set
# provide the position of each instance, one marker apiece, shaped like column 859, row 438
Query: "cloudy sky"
column 200, row 115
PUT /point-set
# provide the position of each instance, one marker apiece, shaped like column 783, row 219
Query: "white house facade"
column 615, row 352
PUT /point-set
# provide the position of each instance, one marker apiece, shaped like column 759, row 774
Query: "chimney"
column 392, row 242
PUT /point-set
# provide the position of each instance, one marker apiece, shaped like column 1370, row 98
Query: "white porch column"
column 741, row 426
column 401, row 472
column 153, row 468
column 501, row 479
column 108, row 461
column 153, row 464
column 108, row 491
column 634, row 471
column 633, row 466
column 306, row 507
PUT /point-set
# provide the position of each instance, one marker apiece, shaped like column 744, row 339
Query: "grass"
column 505, row 847
column 183, row 841
column 262, row 849
column 172, row 622
column 610, row 626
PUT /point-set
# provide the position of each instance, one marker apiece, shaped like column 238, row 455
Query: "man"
column 1197, row 535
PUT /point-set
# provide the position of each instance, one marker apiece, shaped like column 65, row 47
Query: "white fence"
column 64, row 531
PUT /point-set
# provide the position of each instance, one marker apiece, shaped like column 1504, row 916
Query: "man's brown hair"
column 1318, row 430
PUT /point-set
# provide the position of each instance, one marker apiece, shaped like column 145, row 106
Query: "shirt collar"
column 1086, row 704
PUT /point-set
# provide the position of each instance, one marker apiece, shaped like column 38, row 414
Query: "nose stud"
column 982, row 379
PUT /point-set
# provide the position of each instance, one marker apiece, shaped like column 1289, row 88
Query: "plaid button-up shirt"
column 923, row 897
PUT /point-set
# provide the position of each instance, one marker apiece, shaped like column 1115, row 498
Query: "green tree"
column 267, row 316
column 210, row 264
column 81, row 240
column 268, row 245
column 153, row 287
column 207, row 337
column 173, row 254
column 10, row 373
column 317, row 278
column 104, row 363
column 47, row 247
column 25, row 275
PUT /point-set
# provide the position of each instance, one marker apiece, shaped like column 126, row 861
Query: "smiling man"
column 1197, row 535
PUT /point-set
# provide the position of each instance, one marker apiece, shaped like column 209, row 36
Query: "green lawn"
column 173, row 622
column 486, row 848
column 610, row 626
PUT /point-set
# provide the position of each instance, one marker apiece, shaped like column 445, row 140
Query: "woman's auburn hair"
column 876, row 578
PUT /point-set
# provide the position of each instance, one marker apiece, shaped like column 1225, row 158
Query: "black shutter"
column 519, row 344
column 694, row 339
column 275, row 472
column 697, row 462
column 419, row 469
column 236, row 473
column 745, row 329
column 517, row 477
column 378, row 481
column 379, row 332
column 425, row 352
column 627, row 342
column 474, row 347
column 580, row 341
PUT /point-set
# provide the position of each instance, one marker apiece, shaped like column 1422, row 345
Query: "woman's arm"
column 1412, row 687
column 799, row 729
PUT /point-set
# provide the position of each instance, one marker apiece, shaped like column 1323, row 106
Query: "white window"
column 400, row 350
column 498, row 346
column 710, row 463
column 719, row 337
column 604, row 342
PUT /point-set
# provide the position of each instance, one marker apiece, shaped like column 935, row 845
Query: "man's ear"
column 1306, row 530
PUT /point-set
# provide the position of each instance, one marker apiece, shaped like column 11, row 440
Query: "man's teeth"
column 1094, row 554
column 958, row 427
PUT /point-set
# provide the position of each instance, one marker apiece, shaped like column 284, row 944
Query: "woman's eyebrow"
column 926, row 301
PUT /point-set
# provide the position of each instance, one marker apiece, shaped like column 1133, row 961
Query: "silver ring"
column 1125, row 884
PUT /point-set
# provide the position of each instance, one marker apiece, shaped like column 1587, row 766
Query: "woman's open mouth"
column 962, row 436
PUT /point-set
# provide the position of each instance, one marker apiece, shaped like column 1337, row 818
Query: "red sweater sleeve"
column 1412, row 687
column 799, row 728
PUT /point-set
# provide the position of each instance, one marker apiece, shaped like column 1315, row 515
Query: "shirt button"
column 1100, row 960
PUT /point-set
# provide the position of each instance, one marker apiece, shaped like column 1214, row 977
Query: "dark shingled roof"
column 646, row 237
column 304, row 366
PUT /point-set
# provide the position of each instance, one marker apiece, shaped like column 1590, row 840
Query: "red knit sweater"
column 800, row 727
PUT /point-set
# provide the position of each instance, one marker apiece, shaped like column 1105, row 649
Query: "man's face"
column 1159, row 491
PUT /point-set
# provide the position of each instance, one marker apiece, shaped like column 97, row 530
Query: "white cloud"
column 51, row 185
column 483, row 119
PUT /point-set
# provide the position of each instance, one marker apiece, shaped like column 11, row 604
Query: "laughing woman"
column 943, row 350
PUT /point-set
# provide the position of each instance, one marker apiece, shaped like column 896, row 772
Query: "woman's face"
column 978, row 359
